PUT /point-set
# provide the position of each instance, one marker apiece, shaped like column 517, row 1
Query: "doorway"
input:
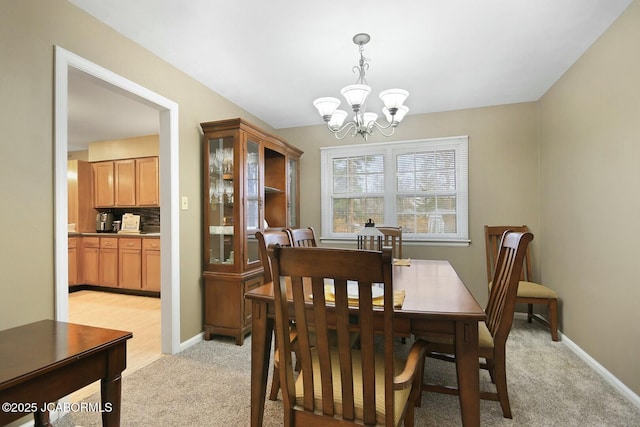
column 169, row 233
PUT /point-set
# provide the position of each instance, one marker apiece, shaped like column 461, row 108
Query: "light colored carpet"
column 208, row 385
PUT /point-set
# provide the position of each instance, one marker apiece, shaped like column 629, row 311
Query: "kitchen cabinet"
column 130, row 263
column 124, row 188
column 90, row 259
column 247, row 187
column 79, row 195
column 103, row 184
column 72, row 248
column 151, row 264
column 108, row 262
column 147, row 182
column 126, row 183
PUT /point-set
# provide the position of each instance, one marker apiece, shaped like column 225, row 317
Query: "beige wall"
column 585, row 144
column 29, row 29
column 503, row 176
column 590, row 163
column 127, row 148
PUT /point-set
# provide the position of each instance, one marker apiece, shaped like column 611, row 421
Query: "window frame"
column 390, row 150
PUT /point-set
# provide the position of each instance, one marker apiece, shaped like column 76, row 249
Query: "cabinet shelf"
column 273, row 190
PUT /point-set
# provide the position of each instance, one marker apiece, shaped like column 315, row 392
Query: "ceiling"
column 274, row 58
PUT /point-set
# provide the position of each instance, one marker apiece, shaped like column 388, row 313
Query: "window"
column 420, row 185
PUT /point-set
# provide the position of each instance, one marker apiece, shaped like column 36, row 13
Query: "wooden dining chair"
column 266, row 238
column 493, row 333
column 529, row 292
column 392, row 237
column 339, row 385
column 303, row 237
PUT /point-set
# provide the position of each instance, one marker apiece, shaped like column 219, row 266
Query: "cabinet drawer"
column 90, row 242
column 72, row 242
column 108, row 242
column 151, row 244
column 129, row 243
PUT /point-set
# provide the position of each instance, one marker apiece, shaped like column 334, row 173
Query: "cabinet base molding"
column 140, row 293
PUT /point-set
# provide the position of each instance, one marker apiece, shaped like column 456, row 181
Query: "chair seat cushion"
column 485, row 340
column 401, row 396
column 535, row 290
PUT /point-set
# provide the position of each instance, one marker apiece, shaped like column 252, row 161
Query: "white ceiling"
column 273, row 58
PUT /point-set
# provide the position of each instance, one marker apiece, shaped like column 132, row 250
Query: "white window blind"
column 420, row 185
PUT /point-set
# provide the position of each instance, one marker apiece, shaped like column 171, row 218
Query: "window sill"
column 405, row 242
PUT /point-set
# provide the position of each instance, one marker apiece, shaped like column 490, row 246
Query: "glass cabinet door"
column 292, row 202
column 221, row 200
column 253, row 199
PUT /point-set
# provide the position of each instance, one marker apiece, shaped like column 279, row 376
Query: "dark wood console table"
column 44, row 361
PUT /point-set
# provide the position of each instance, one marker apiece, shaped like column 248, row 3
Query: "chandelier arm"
column 382, row 128
column 346, row 128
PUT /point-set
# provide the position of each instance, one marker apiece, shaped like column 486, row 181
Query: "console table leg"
column 110, row 394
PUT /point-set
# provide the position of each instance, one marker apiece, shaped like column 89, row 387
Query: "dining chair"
column 303, row 237
column 266, row 238
column 493, row 333
column 340, row 385
column 529, row 292
column 392, row 237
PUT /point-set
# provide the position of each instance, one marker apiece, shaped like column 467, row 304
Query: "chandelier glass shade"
column 363, row 123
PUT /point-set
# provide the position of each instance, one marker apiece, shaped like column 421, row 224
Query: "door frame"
column 169, row 189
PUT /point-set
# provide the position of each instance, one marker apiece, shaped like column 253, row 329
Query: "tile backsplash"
column 149, row 217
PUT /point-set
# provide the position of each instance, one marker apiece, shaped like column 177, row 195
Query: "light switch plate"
column 185, row 203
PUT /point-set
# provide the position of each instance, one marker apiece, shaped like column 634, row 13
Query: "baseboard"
column 608, row 376
column 192, row 341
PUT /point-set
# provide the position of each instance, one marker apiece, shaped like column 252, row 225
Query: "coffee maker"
column 104, row 222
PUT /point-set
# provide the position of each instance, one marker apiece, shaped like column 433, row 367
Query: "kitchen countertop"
column 76, row 234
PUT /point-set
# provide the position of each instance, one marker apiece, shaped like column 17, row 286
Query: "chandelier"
column 363, row 123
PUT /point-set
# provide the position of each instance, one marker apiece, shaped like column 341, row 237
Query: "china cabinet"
column 251, row 181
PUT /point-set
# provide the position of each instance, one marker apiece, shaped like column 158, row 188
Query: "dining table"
column 436, row 302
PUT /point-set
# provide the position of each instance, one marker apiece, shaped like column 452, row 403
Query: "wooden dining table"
column 436, row 301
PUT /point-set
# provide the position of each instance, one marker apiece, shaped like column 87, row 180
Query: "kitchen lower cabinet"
column 130, row 263
column 89, row 260
column 116, row 261
column 108, row 262
column 151, row 264
column 72, row 246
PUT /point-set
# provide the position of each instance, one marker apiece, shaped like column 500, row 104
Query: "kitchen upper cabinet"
column 126, row 183
column 103, row 184
column 124, row 189
column 147, row 179
column 80, row 198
